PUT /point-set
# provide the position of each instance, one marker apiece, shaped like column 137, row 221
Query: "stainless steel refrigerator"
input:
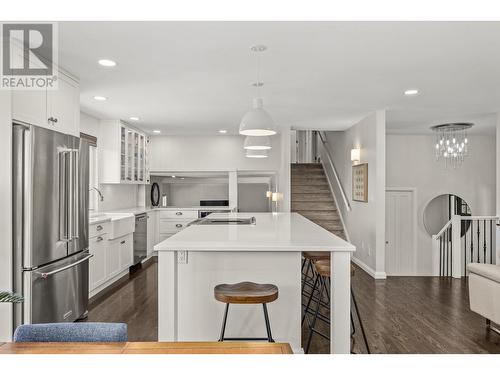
column 50, row 223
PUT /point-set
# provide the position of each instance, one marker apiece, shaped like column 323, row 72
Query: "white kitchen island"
column 196, row 259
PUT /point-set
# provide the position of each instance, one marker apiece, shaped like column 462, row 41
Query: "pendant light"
column 257, row 143
column 257, row 122
column 256, row 154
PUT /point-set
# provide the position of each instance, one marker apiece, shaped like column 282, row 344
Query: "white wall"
column 411, row 163
column 207, row 153
column 185, row 194
column 365, row 223
column 6, row 209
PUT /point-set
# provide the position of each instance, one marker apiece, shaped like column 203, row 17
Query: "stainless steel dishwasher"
column 140, row 237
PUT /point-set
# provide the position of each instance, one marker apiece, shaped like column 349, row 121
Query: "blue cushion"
column 71, row 332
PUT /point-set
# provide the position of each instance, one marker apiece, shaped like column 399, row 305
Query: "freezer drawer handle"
column 47, row 274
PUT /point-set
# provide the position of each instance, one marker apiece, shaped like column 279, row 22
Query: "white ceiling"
column 195, row 77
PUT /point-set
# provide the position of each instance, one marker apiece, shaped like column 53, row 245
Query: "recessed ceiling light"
column 100, row 98
column 223, row 131
column 133, row 118
column 106, row 62
column 173, row 176
column 411, row 92
column 157, row 131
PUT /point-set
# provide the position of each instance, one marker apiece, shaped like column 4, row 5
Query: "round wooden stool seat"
column 246, row 293
column 323, row 267
column 316, row 255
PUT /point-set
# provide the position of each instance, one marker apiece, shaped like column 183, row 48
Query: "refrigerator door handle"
column 75, row 166
column 44, row 275
column 64, row 234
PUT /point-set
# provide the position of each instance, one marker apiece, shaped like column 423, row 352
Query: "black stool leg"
column 224, row 320
column 312, row 326
column 268, row 325
column 306, row 310
column 360, row 322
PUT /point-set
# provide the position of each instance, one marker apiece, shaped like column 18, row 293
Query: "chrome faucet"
column 98, row 192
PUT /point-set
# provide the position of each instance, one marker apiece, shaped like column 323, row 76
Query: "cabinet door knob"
column 122, row 242
column 178, row 225
column 99, row 227
column 178, row 213
column 99, row 239
column 54, row 119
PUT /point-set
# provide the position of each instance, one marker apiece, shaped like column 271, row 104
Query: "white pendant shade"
column 257, row 154
column 257, row 122
column 257, row 143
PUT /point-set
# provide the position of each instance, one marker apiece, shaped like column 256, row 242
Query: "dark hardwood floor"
column 400, row 314
column 135, row 303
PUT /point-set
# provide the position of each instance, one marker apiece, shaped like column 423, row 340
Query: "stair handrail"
column 446, row 226
column 324, row 143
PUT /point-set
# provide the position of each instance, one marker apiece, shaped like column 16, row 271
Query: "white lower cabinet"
column 126, row 246
column 111, row 258
column 97, row 264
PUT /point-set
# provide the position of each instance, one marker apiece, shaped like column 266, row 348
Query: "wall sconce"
column 269, row 194
column 276, row 197
column 355, row 155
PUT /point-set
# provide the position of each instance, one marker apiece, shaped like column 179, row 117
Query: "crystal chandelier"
column 451, row 143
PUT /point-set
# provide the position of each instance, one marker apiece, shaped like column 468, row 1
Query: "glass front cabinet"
column 123, row 152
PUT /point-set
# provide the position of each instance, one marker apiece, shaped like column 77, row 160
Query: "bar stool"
column 322, row 268
column 246, row 293
column 309, row 257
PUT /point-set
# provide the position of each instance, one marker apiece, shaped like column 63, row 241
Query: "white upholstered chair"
column 484, row 292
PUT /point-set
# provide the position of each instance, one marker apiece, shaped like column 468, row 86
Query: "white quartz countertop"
column 272, row 232
column 141, row 209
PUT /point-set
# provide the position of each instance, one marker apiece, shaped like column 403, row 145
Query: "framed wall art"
column 360, row 182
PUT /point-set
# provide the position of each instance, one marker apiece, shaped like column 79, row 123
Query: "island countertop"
column 272, row 232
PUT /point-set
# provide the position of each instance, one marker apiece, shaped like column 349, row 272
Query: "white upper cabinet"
column 57, row 109
column 123, row 151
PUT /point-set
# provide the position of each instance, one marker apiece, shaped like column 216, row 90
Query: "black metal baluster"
column 472, row 241
column 484, row 241
column 478, row 239
column 491, row 241
column 465, row 246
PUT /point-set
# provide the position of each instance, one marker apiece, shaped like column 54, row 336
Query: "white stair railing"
column 463, row 240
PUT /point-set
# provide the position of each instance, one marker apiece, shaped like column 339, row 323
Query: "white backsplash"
column 118, row 196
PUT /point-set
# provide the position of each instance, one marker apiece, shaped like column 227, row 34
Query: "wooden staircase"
column 312, row 198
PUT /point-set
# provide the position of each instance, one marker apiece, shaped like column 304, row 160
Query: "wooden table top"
column 227, row 347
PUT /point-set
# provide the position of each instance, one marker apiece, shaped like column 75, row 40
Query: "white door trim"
column 413, row 190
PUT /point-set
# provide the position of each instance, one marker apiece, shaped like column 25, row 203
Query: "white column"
column 233, row 188
column 167, row 296
column 456, row 247
column 340, row 327
column 435, row 255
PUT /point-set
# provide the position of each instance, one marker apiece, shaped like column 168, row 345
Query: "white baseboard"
column 108, row 283
column 370, row 271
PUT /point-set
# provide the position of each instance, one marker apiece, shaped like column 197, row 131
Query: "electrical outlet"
column 369, row 251
column 182, row 257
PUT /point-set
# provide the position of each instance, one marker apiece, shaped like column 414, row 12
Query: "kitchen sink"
column 225, row 221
